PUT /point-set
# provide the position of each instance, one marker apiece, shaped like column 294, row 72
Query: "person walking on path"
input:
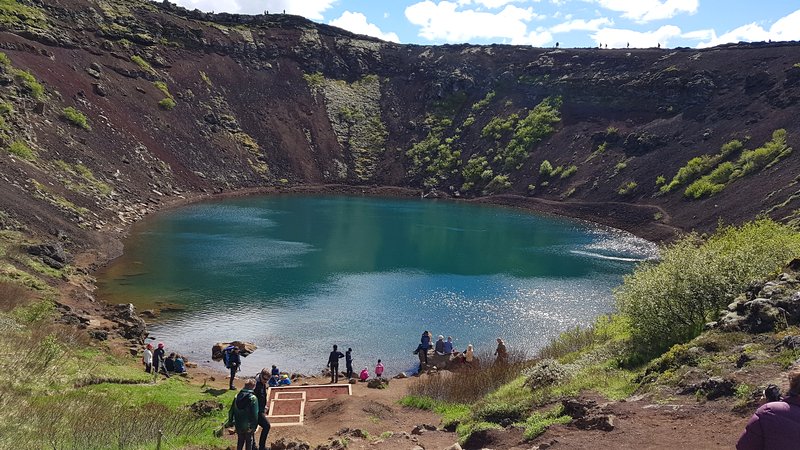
column 348, row 363
column 775, row 425
column 243, row 415
column 333, row 363
column 379, row 369
column 501, row 352
column 234, row 363
column 260, row 391
column 147, row 358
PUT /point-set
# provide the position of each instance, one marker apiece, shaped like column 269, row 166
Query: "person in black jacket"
column 261, row 394
column 158, row 359
column 348, row 362
column 333, row 363
column 235, row 362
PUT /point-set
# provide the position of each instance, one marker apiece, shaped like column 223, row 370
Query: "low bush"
column 167, row 103
column 30, row 83
column 22, row 150
column 668, row 302
column 569, row 171
column 76, row 118
column 545, row 168
column 627, row 188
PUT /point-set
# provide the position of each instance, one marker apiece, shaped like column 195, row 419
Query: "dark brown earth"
column 249, row 119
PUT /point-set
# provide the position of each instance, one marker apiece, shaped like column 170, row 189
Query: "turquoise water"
column 297, row 274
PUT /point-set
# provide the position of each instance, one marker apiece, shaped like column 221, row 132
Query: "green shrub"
column 161, row 86
column 569, row 171
column 76, row 118
column 545, row 168
column 30, row 84
column 6, row 108
column 5, row 61
column 314, row 80
column 22, row 150
column 498, row 183
column 167, row 103
column 627, row 188
column 484, row 102
column 538, row 423
column 141, row 62
column 205, row 78
column 748, row 162
column 476, row 168
column 620, row 166
column 668, row 302
column 660, row 180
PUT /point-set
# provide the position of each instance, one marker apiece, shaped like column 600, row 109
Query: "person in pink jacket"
column 775, row 425
column 379, row 369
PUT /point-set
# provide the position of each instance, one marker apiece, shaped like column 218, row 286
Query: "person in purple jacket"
column 775, row 425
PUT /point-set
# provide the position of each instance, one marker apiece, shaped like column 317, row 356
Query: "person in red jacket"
column 775, row 425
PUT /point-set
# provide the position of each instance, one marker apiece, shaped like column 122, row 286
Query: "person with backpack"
column 234, row 362
column 333, row 363
column 260, row 391
column 775, row 425
column 147, row 358
column 243, row 415
column 348, row 363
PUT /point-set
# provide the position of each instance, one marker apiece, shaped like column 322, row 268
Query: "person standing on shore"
column 147, row 358
column 775, row 425
column 501, row 352
column 234, row 363
column 260, row 392
column 333, row 363
column 425, row 345
column 158, row 359
column 379, row 369
column 348, row 363
column 243, row 415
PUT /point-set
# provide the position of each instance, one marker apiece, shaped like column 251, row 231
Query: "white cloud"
column 649, row 10
column 494, row 4
column 786, row 28
column 311, row 9
column 619, row 38
column 581, row 25
column 357, row 23
column 448, row 21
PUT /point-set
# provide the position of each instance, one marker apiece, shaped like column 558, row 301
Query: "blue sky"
column 572, row 23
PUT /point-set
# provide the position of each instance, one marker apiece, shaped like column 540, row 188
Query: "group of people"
column 249, row 409
column 445, row 347
column 155, row 362
column 333, row 365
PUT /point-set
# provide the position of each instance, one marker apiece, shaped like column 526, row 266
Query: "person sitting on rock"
column 169, row 363
column 364, row 375
column 180, row 366
column 469, row 354
column 439, row 348
column 285, row 381
column 448, row 345
column 775, row 425
column 275, row 380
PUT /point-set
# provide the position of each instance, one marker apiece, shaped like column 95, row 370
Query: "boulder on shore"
column 245, row 348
